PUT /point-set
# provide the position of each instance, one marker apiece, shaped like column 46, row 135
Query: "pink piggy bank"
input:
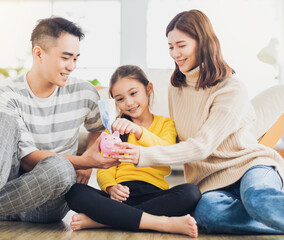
column 107, row 143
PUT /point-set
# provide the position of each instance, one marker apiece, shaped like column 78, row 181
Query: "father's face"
column 59, row 60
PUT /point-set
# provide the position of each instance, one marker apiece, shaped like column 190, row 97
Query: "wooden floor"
column 56, row 231
column 61, row 230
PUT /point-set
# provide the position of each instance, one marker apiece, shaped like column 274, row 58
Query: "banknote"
column 108, row 112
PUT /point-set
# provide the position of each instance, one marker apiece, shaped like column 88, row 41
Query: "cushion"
column 269, row 106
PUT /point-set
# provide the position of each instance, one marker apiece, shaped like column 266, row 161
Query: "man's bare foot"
column 184, row 225
column 82, row 221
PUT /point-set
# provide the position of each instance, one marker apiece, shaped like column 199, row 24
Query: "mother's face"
column 182, row 49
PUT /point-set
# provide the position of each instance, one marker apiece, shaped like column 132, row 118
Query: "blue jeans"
column 254, row 204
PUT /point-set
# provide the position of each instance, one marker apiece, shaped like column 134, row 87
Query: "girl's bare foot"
column 82, row 221
column 184, row 225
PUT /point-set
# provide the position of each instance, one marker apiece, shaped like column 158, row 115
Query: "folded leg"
column 222, row 211
column 100, row 208
column 176, row 201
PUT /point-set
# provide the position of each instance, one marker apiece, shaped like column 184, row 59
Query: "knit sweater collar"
column 191, row 77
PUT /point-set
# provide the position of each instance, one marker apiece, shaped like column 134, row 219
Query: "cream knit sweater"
column 216, row 146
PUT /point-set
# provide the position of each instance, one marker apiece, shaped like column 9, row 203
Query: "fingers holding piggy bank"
column 108, row 143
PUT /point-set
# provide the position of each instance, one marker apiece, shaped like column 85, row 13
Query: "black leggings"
column 144, row 197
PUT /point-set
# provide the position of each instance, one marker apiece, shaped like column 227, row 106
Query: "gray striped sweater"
column 51, row 124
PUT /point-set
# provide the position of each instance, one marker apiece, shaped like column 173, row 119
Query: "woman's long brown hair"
column 213, row 68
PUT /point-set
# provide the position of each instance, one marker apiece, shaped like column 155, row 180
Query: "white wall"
column 133, row 32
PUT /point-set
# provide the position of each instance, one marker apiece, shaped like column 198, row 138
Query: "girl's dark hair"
column 213, row 68
column 54, row 27
column 129, row 71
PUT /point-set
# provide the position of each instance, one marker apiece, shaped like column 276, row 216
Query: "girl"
column 144, row 189
column 241, row 180
column 131, row 90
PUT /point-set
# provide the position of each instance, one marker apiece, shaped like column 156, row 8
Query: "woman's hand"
column 124, row 126
column 131, row 153
column 118, row 192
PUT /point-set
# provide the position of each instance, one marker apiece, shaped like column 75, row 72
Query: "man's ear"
column 37, row 53
column 150, row 88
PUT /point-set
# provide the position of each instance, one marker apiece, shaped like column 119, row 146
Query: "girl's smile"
column 132, row 110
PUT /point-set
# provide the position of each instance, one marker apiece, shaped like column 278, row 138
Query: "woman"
column 241, row 180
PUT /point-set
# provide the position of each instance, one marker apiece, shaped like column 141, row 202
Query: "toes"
column 194, row 234
column 75, row 217
column 75, row 227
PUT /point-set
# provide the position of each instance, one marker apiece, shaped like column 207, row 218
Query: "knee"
column 74, row 193
column 61, row 170
column 12, row 129
column 194, row 190
column 79, row 196
column 211, row 209
column 186, row 196
column 192, row 193
column 255, row 200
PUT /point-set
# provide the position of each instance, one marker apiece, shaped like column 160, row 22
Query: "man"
column 40, row 116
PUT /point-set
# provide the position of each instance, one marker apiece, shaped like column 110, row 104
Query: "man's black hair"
column 54, row 27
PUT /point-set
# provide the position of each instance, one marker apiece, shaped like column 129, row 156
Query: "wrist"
column 108, row 189
column 80, row 162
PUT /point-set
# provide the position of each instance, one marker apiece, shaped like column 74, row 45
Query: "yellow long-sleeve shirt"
column 161, row 132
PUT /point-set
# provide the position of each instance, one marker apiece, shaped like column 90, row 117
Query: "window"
column 100, row 21
column 17, row 20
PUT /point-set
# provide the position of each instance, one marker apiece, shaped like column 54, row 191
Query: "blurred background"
column 118, row 32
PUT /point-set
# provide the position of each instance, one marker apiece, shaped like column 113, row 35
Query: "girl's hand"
column 132, row 153
column 118, row 192
column 125, row 126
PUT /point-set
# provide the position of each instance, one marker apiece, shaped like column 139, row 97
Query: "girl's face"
column 131, row 97
column 182, row 50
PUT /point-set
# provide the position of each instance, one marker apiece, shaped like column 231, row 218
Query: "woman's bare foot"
column 82, row 221
column 184, row 225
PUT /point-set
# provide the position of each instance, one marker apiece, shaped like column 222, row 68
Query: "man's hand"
column 92, row 157
column 83, row 176
column 118, row 192
column 131, row 153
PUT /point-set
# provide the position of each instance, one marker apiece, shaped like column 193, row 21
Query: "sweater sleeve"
column 229, row 107
column 106, row 178
column 166, row 137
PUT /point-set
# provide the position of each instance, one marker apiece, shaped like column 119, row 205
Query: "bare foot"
column 82, row 221
column 184, row 225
